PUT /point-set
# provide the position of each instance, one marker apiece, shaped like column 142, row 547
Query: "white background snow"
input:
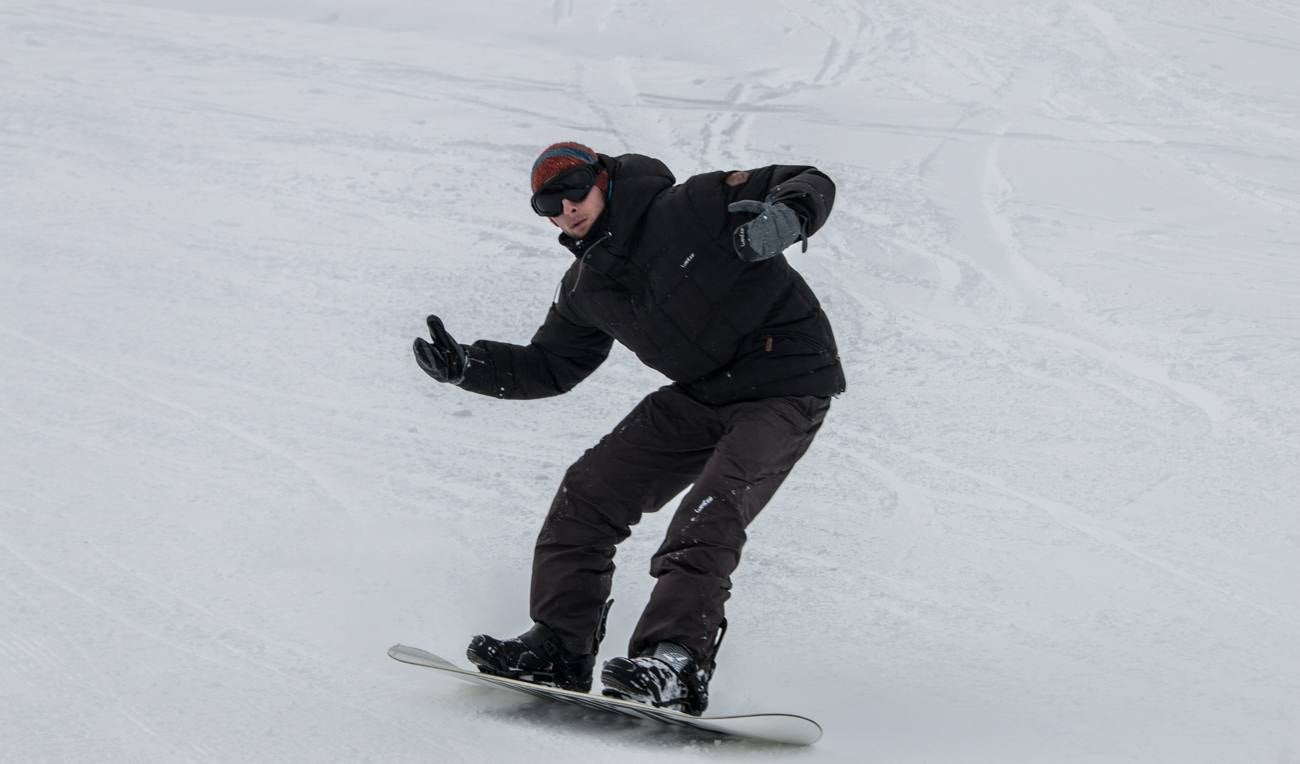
column 1053, row 519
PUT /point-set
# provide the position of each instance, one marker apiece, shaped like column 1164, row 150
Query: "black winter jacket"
column 658, row 273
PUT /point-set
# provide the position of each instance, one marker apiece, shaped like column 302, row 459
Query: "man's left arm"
column 807, row 190
column 776, row 206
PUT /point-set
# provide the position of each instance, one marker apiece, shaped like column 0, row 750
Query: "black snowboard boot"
column 537, row 656
column 670, row 678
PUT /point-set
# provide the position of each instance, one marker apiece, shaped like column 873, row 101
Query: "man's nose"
column 570, row 207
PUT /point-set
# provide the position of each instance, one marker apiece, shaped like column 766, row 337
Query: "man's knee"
column 705, row 536
column 584, row 512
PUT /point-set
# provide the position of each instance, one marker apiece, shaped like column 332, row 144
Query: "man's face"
column 578, row 217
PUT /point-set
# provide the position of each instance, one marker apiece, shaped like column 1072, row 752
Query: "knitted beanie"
column 559, row 158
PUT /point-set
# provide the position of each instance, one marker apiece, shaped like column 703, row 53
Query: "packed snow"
column 1053, row 519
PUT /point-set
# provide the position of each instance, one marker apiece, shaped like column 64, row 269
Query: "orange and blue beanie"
column 559, row 158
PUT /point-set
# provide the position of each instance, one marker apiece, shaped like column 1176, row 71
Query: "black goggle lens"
column 573, row 185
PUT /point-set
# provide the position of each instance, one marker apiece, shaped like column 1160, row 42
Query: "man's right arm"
column 561, row 354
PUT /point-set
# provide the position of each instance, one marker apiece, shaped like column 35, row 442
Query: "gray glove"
column 767, row 235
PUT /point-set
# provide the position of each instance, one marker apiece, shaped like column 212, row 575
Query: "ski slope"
column 1053, row 519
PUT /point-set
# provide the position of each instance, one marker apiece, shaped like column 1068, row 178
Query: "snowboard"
column 789, row 729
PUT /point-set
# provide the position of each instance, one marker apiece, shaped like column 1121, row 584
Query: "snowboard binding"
column 669, row 678
column 538, row 656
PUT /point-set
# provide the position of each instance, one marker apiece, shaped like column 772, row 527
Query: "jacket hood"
column 635, row 181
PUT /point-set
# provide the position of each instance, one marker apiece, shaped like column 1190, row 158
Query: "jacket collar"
column 634, row 183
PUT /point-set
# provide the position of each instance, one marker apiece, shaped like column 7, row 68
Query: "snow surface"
column 1053, row 519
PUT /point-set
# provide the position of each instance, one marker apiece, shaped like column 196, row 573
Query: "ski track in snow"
column 260, row 444
column 1053, row 518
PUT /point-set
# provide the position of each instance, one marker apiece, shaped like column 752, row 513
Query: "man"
column 691, row 279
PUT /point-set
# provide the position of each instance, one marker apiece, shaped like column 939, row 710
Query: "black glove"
column 767, row 235
column 444, row 359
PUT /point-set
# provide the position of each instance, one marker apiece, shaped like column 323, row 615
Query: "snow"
column 1053, row 519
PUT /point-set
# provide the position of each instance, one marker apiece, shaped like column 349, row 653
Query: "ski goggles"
column 573, row 185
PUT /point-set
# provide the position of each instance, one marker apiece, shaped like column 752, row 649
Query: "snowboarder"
column 691, row 278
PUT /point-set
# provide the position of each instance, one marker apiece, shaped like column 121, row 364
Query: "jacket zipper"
column 582, row 261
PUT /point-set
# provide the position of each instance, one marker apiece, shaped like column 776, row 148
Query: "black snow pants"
column 734, row 457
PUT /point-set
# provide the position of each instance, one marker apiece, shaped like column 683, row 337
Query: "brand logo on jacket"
column 688, row 260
